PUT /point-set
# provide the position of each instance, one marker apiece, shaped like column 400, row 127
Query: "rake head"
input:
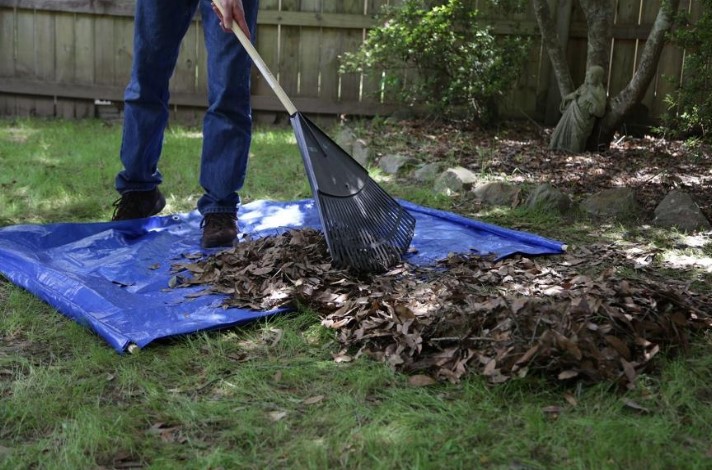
column 365, row 228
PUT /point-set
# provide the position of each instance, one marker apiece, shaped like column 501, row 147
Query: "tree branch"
column 599, row 23
column 553, row 47
column 635, row 90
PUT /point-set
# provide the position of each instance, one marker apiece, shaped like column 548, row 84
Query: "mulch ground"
column 651, row 166
column 598, row 313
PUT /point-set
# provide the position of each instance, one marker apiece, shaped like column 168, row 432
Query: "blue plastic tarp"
column 114, row 276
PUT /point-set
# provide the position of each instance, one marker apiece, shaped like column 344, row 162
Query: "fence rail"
column 58, row 57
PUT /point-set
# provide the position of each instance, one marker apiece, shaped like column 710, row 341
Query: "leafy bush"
column 437, row 54
column 690, row 107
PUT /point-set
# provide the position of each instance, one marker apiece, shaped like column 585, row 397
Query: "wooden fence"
column 68, row 58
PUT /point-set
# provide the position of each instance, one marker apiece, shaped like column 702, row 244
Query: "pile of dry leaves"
column 502, row 319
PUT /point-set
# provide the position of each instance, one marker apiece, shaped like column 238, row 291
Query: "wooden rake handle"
column 257, row 59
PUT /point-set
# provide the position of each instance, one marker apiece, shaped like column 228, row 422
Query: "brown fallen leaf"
column 635, row 406
column 277, row 415
column 570, row 399
column 552, row 411
column 421, row 380
column 313, row 400
column 567, row 374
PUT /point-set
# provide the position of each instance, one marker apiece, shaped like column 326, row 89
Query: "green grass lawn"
column 270, row 395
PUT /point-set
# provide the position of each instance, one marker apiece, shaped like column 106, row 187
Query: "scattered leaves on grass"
column 502, row 319
column 277, row 415
column 313, row 400
column 421, row 380
column 635, row 406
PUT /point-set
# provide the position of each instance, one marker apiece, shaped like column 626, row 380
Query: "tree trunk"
column 634, row 92
column 550, row 38
column 599, row 21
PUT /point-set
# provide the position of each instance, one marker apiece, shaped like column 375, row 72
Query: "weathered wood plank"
column 350, row 42
column 84, row 61
column 668, row 77
column 8, row 103
column 123, row 55
column 116, row 7
column 623, row 54
column 289, row 59
column 372, row 83
column 309, row 46
column 328, row 57
column 115, row 93
column 45, row 65
column 649, row 12
column 201, row 55
column 65, row 56
column 104, row 51
column 25, row 57
column 301, row 43
column 267, row 43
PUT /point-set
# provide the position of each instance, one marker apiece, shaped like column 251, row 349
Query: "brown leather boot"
column 138, row 204
column 219, row 229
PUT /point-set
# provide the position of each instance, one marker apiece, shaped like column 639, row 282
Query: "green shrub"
column 438, row 54
column 690, row 107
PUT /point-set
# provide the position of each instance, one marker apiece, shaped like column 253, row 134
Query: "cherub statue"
column 580, row 110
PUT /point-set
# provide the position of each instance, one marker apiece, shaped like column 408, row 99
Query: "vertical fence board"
column 201, row 54
column 577, row 50
column 104, row 51
column 8, row 103
column 309, row 47
column 25, row 57
column 44, row 59
column 289, row 52
column 65, row 57
column 667, row 78
column 372, row 79
column 623, row 53
column 350, row 83
column 521, row 100
column 267, row 43
column 328, row 57
column 123, row 55
column 84, row 63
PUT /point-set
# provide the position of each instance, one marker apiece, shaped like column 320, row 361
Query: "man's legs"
column 159, row 28
column 227, row 127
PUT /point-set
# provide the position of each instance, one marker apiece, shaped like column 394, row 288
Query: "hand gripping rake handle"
column 261, row 66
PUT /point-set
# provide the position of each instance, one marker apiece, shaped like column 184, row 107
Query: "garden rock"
column 547, row 198
column 454, row 180
column 361, row 152
column 427, row 172
column 498, row 194
column 392, row 164
column 616, row 203
column 345, row 139
column 678, row 209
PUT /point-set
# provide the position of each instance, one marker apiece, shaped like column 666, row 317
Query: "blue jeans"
column 160, row 26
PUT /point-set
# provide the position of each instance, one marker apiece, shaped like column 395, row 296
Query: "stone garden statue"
column 580, row 110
